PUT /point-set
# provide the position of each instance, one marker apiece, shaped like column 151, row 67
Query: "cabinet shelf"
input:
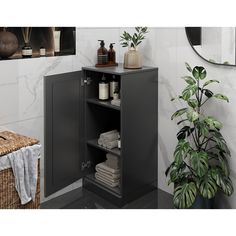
column 94, row 143
column 107, row 104
column 115, row 191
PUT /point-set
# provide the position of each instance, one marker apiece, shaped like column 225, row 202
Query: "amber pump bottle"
column 102, row 54
column 111, row 55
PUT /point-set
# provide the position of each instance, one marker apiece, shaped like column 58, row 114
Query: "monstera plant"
column 200, row 166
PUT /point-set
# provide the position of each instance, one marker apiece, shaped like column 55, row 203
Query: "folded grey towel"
column 103, row 167
column 111, row 184
column 112, row 157
column 112, row 164
column 103, row 135
column 107, row 177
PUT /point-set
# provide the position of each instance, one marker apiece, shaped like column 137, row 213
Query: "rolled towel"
column 102, row 135
column 100, row 142
column 110, row 137
column 109, row 183
column 103, row 167
column 111, row 144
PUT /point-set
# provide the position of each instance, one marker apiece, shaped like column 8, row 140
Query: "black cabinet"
column 74, row 119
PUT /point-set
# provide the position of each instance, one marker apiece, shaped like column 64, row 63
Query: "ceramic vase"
column 8, row 44
column 132, row 59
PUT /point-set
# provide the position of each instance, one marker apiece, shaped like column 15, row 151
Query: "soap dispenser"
column 102, row 54
column 111, row 55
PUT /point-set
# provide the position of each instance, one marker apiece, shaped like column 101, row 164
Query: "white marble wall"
column 21, row 88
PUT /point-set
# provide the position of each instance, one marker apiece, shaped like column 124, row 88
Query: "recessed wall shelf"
column 43, row 37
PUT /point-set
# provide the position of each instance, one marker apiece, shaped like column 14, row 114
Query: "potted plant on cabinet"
column 200, row 167
column 132, row 58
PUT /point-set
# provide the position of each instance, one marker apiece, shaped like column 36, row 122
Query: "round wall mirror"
column 214, row 44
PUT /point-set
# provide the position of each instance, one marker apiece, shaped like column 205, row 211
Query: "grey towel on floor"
column 111, row 184
column 24, row 163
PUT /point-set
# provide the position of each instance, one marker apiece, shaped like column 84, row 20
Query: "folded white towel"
column 108, row 174
column 24, row 163
column 111, row 184
column 106, row 177
column 103, row 167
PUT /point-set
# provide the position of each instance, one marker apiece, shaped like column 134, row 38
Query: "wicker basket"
column 9, row 198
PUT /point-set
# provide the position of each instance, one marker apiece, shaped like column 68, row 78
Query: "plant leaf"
column 185, row 195
column 208, row 187
column 208, row 93
column 224, row 164
column 213, row 123
column 222, row 181
column 189, row 80
column 193, row 103
column 192, row 116
column 179, row 113
column 181, row 151
column 210, row 81
column 184, row 132
column 221, row 96
column 199, row 162
column 177, row 172
column 189, row 91
column 188, row 67
column 199, row 72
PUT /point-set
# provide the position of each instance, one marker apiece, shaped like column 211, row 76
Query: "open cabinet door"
column 64, row 124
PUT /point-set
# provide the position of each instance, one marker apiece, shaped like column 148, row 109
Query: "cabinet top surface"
column 119, row 70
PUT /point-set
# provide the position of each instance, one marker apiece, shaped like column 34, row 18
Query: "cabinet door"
column 64, row 118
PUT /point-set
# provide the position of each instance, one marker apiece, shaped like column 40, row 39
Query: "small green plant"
column 200, row 165
column 133, row 41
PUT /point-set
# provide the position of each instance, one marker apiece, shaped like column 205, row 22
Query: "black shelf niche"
column 43, row 37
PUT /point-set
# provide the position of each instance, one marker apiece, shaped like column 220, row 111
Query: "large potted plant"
column 132, row 58
column 200, row 167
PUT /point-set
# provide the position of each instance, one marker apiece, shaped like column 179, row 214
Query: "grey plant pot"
column 203, row 203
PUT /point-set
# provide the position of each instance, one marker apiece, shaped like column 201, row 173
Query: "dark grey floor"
column 83, row 199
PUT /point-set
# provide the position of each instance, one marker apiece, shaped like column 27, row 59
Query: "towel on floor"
column 24, row 163
column 103, row 167
column 109, row 183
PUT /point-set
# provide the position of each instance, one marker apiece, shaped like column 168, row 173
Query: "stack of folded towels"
column 108, row 172
column 109, row 139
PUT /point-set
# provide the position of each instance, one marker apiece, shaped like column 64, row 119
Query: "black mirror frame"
column 214, row 63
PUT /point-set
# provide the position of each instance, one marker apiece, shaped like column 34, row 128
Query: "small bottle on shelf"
column 111, row 55
column 103, row 89
column 114, row 86
column 42, row 52
column 102, row 54
column 27, row 51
